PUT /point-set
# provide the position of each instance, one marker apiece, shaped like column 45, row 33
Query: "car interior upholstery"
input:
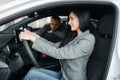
column 98, row 60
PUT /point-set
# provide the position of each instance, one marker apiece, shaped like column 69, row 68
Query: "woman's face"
column 73, row 22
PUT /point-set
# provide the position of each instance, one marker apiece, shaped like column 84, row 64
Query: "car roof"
column 34, row 5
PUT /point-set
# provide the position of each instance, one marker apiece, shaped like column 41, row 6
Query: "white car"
column 16, row 57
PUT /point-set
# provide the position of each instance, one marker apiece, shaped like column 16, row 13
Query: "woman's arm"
column 82, row 48
column 27, row 35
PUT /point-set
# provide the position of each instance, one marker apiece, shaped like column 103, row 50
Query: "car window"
column 40, row 23
column 3, row 27
column 46, row 20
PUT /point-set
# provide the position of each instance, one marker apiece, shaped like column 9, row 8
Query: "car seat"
column 99, row 57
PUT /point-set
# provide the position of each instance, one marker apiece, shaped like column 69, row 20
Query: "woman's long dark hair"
column 83, row 16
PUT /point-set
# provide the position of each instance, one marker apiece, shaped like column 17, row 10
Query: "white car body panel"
column 114, row 70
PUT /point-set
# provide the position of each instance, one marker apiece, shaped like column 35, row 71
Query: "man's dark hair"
column 56, row 18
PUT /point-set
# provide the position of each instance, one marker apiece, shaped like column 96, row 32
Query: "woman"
column 73, row 52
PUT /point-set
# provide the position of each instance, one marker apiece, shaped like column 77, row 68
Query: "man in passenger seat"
column 53, row 32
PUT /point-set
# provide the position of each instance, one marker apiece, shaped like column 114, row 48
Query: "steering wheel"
column 30, row 53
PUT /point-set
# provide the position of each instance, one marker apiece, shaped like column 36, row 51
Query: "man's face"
column 54, row 24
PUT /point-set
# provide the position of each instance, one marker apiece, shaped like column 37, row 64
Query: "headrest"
column 106, row 25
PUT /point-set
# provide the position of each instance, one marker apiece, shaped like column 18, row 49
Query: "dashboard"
column 10, row 47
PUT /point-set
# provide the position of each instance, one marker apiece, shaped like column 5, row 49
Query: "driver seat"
column 98, row 60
